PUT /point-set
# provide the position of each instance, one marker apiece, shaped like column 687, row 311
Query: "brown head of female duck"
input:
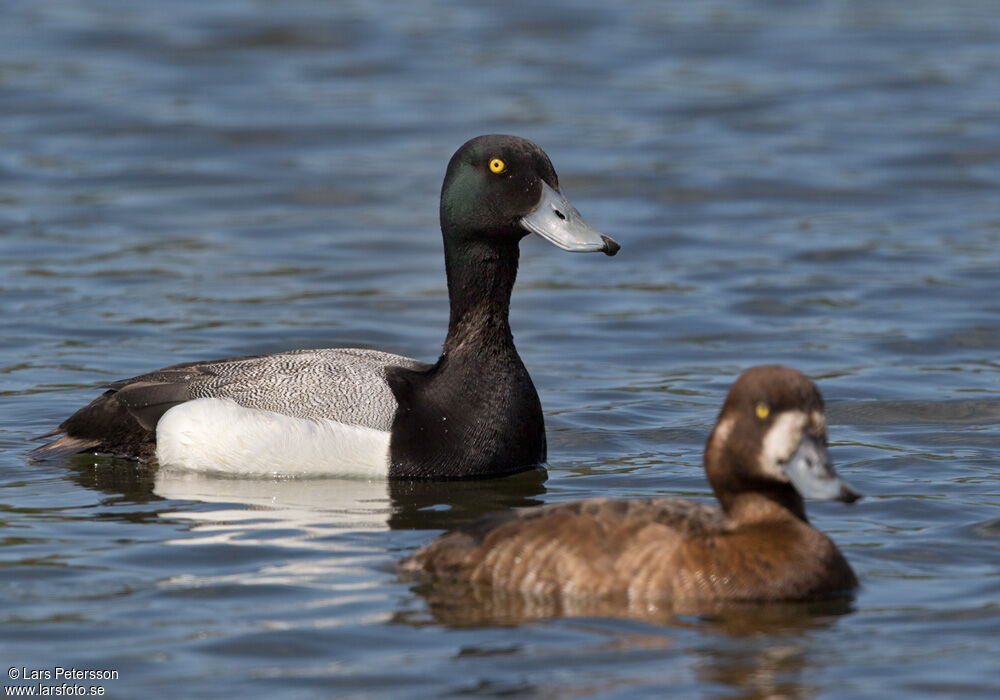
column 767, row 452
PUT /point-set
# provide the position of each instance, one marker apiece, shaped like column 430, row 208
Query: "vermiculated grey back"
column 341, row 384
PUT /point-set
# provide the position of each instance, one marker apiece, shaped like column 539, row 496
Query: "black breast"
column 456, row 423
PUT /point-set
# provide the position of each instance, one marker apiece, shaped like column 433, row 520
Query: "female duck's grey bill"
column 811, row 473
column 558, row 221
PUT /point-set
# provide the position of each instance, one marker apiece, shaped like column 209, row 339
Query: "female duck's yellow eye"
column 497, row 166
column 762, row 411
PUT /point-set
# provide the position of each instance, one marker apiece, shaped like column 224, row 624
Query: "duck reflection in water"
column 744, row 650
column 310, row 504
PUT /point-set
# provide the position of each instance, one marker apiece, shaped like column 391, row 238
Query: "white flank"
column 219, row 435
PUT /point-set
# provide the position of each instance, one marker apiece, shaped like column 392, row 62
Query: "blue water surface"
column 812, row 183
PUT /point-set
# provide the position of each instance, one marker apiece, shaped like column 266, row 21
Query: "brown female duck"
column 767, row 451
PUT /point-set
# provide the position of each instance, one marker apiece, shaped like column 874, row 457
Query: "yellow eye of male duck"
column 763, row 411
column 497, row 166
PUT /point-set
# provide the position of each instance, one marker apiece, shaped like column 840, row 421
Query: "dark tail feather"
column 105, row 426
column 51, row 433
column 63, row 447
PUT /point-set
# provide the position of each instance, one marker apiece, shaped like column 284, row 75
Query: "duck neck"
column 480, row 279
column 774, row 502
column 746, row 499
column 475, row 413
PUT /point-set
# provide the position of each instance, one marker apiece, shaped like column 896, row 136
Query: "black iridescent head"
column 501, row 188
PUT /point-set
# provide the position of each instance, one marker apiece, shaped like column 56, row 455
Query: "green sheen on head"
column 500, row 188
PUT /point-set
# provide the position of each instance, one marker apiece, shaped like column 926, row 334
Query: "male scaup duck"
column 472, row 414
column 767, row 451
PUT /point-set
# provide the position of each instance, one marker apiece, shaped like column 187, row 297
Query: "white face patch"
column 219, row 435
column 780, row 443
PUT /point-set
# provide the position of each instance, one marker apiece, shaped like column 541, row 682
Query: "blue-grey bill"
column 558, row 221
column 811, row 473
